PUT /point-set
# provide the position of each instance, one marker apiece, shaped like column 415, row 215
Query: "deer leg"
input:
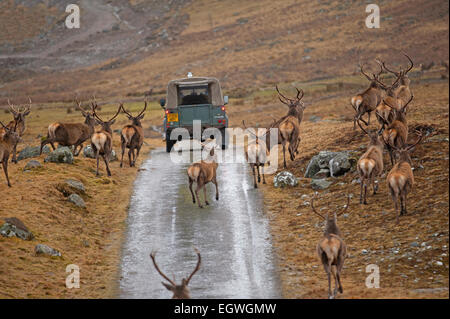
column 196, row 194
column 361, row 191
column 284, row 153
column 214, row 180
column 190, row 188
column 123, row 152
column 134, row 157
column 129, row 158
column 44, row 142
column 375, row 185
column 365, row 193
column 254, row 176
column 75, row 153
column 5, row 169
column 138, row 149
column 328, row 270
column 259, row 174
column 204, row 194
column 263, row 174
column 97, row 156
column 395, row 198
column 14, row 160
column 404, row 203
column 106, row 160
column 336, row 285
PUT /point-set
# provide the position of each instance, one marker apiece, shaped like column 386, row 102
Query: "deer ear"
column 141, row 116
column 168, row 287
column 112, row 122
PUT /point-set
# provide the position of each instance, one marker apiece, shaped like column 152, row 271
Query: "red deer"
column 331, row 248
column 256, row 155
column 203, row 172
column 400, row 179
column 370, row 164
column 396, row 133
column 71, row 134
column 367, row 101
column 101, row 140
column 384, row 111
column 179, row 291
column 132, row 136
column 289, row 126
column 7, row 142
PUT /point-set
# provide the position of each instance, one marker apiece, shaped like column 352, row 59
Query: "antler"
column 404, row 106
column 145, row 107
column 126, row 112
column 345, row 207
column 12, row 108
column 298, row 93
column 6, row 128
column 364, row 73
column 79, row 106
column 152, row 256
column 359, row 124
column 386, row 68
column 196, row 267
column 281, row 95
column 412, row 63
column 420, row 134
column 314, row 210
column 117, row 113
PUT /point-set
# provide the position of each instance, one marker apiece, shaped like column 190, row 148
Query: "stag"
column 18, row 122
column 367, row 101
column 400, row 179
column 331, row 248
column 384, row 111
column 179, row 291
column 256, row 155
column 370, row 164
column 132, row 136
column 289, row 125
column 7, row 142
column 71, row 134
column 101, row 140
column 203, row 172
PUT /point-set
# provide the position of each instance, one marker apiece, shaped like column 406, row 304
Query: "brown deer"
column 203, row 172
column 331, row 248
column 367, row 101
column 383, row 111
column 289, row 126
column 370, row 164
column 132, row 136
column 71, row 134
column 256, row 155
column 179, row 291
column 18, row 122
column 400, row 179
column 7, row 141
column 396, row 133
column 101, row 140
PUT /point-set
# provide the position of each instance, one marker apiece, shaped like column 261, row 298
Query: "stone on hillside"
column 60, row 155
column 323, row 173
column 320, row 183
column 337, row 163
column 285, row 178
column 14, row 227
column 46, row 250
column 88, row 151
column 70, row 186
column 340, row 164
column 33, row 164
column 29, row 152
column 76, row 200
column 318, row 161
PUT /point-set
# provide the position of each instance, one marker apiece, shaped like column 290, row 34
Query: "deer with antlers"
column 132, row 136
column 384, row 110
column 370, row 164
column 331, row 248
column 396, row 133
column 367, row 101
column 256, row 155
column 71, row 134
column 289, row 125
column 400, row 179
column 179, row 291
column 18, row 122
column 204, row 172
column 8, row 140
column 101, row 140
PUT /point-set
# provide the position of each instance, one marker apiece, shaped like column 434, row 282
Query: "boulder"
column 320, row 184
column 323, row 173
column 14, row 227
column 60, row 155
column 285, row 178
column 33, row 164
column 88, row 152
column 76, row 200
column 340, row 164
column 71, row 186
column 29, row 152
column 46, row 250
column 319, row 161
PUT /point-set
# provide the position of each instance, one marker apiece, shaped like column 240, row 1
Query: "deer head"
column 106, row 125
column 135, row 120
column 374, row 79
column 401, row 74
column 257, row 135
column 10, row 135
column 373, row 136
column 88, row 116
column 404, row 153
column 331, row 218
column 179, row 291
column 19, row 114
column 296, row 106
column 399, row 114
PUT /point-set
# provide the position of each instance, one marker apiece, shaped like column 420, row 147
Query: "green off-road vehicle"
column 190, row 99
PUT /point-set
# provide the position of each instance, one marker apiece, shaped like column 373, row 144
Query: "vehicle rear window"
column 192, row 95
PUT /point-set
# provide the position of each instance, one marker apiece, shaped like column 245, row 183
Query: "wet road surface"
column 232, row 235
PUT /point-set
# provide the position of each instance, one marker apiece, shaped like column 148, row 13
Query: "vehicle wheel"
column 169, row 145
column 224, row 144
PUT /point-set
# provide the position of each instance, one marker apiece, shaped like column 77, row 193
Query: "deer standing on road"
column 7, row 142
column 256, row 155
column 179, row 291
column 331, row 249
column 400, row 179
column 101, row 140
column 132, row 136
column 71, row 134
column 370, row 164
column 203, row 172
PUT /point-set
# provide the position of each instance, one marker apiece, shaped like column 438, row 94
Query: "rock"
column 323, row 173
column 29, row 152
column 317, row 162
column 320, row 183
column 339, row 165
column 285, row 178
column 60, row 155
column 89, row 152
column 71, row 186
column 439, row 263
column 76, row 200
column 364, row 251
column 314, row 118
column 46, row 250
column 33, row 164
column 414, row 244
column 14, row 227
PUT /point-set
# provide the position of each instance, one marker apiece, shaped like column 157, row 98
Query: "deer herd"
column 390, row 102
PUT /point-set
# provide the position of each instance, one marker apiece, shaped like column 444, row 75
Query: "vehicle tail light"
column 223, row 108
column 167, row 111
